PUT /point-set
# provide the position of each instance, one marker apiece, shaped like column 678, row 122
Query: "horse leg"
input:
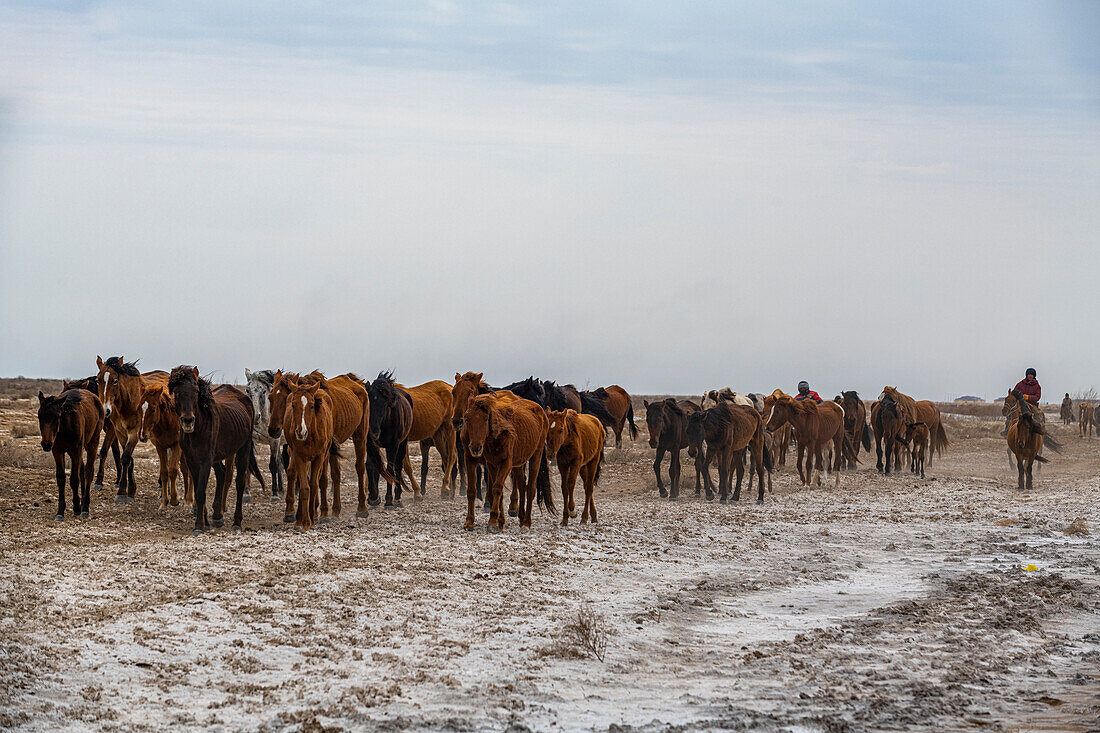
column 274, row 466
column 59, row 475
column 290, row 514
column 838, row 448
column 359, row 440
column 162, row 460
column 444, row 442
column 422, row 490
column 398, row 457
column 723, row 475
column 321, row 497
column 200, row 475
column 513, row 502
column 739, row 459
column 243, row 456
column 74, row 478
column 470, row 487
column 674, row 474
column 568, row 479
column 126, row 475
column 519, row 486
column 1019, row 473
column 618, row 428
column 657, row 472
column 589, row 475
column 220, row 476
column 1030, row 465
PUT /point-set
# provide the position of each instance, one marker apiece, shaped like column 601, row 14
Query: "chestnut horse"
column 70, row 424
column 617, row 403
column 121, row 386
column 216, row 426
column 816, row 425
column 1084, row 417
column 575, row 441
column 432, row 425
column 929, row 414
column 160, row 425
column 307, row 428
column 667, row 423
column 508, row 436
column 1026, row 438
column 110, row 442
column 467, row 386
column 917, row 435
column 391, row 416
column 729, row 428
column 855, row 422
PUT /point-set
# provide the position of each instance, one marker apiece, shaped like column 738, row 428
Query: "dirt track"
column 886, row 604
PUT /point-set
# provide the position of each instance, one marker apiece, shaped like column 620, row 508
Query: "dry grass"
column 24, row 388
column 23, row 430
column 18, row 456
column 587, row 633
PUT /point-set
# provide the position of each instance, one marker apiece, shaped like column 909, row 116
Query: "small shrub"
column 587, row 633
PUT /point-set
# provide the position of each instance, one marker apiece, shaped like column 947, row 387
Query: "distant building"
column 969, row 398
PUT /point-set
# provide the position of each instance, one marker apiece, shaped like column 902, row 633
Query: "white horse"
column 725, row 394
column 259, row 385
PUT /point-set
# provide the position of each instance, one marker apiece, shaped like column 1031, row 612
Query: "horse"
column 350, row 421
column 889, row 427
column 1067, row 410
column 561, row 396
column 855, row 422
column 508, row 436
column 216, row 426
column 432, row 426
column 1085, row 418
column 575, row 442
column 616, row 404
column 929, row 414
column 258, row 385
column 667, row 423
column 391, row 417
column 729, row 429
column 1026, row 438
column 816, row 425
column 121, row 386
column 466, row 387
column 724, row 394
column 110, row 442
column 529, row 389
column 308, row 427
column 918, row 436
column 160, row 425
column 70, row 424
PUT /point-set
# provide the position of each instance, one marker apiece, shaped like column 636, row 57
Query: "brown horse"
column 729, row 429
column 467, row 386
column 889, row 429
column 216, row 426
column 617, row 402
column 508, row 436
column 855, row 422
column 110, row 442
column 308, row 430
column 1026, row 438
column 160, row 425
column 917, row 436
column 121, row 386
column 929, row 414
column 666, row 421
column 575, row 441
column 432, row 425
column 70, row 424
column 1084, row 417
column 816, row 425
column 350, row 421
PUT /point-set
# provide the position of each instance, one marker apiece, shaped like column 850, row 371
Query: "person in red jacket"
column 1029, row 387
column 804, row 392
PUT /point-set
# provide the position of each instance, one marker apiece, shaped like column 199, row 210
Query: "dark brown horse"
column 615, row 400
column 729, row 429
column 70, row 425
column 1026, row 438
column 110, row 442
column 121, row 387
column 161, row 426
column 216, row 427
column 816, row 426
column 509, row 437
column 855, row 422
column 391, row 418
column 667, row 423
column 889, row 426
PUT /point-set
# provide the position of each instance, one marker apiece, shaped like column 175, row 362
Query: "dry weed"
column 587, row 633
column 23, row 430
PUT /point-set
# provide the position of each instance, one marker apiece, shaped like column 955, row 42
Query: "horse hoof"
column 59, row 518
column 85, row 515
column 398, row 505
column 117, row 484
column 196, row 533
column 324, row 520
column 523, row 529
column 673, row 498
column 236, row 528
column 363, row 514
column 493, row 529
column 374, row 502
column 288, row 518
column 98, row 487
column 759, row 501
column 246, row 499
column 274, row 498
column 218, row 522
column 723, row 500
column 513, row 512
column 123, row 499
column 572, row 513
column 468, row 527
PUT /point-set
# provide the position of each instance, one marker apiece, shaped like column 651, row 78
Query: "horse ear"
column 457, row 376
column 41, row 397
column 247, row 373
column 98, row 361
column 479, row 375
column 195, row 371
column 645, row 403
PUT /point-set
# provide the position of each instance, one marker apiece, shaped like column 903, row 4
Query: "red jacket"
column 816, row 397
column 1030, row 388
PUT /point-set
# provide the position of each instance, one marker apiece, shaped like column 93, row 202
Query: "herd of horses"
column 483, row 435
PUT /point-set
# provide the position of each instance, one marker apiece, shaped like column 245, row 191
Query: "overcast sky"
column 668, row 196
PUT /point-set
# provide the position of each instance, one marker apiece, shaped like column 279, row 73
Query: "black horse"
column 667, row 422
column 391, row 418
column 215, row 425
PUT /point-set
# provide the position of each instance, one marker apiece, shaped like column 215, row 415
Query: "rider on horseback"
column 1029, row 386
column 804, row 392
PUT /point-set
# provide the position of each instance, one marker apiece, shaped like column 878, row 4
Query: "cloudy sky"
column 670, row 196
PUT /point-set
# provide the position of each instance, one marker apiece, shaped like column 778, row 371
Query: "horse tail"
column 867, row 434
column 939, row 440
column 630, row 419
column 1040, row 459
column 768, row 464
column 542, row 483
column 1050, row 442
column 593, row 406
column 848, row 450
column 599, row 467
column 253, row 467
column 375, row 456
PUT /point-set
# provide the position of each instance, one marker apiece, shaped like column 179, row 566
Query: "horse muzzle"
column 301, row 434
column 47, row 445
column 653, row 442
column 275, row 432
column 477, row 452
column 187, row 424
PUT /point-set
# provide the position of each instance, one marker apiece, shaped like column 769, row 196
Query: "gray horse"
column 259, row 385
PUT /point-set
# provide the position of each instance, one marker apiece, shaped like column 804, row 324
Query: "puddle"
column 779, row 615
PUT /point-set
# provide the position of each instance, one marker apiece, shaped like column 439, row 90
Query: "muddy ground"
column 889, row 603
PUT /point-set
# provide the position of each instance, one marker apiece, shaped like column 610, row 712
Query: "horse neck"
column 129, row 392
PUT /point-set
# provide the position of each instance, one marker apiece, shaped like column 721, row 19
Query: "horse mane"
column 906, row 403
column 128, row 368
column 601, row 393
column 185, row 373
column 89, row 383
column 384, row 385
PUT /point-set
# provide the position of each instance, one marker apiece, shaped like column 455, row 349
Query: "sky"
column 668, row 196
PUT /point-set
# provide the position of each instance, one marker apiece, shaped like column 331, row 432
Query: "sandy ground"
column 890, row 603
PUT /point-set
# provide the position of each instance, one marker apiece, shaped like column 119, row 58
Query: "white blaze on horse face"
column 107, row 393
column 302, row 427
